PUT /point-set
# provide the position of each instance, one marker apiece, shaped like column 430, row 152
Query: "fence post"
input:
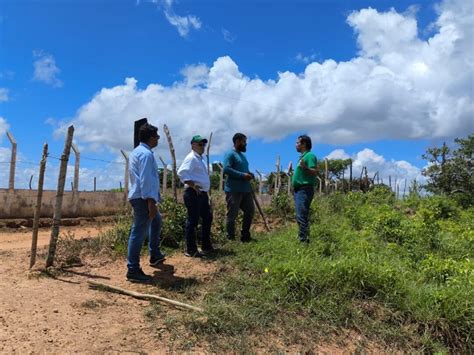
column 125, row 178
column 77, row 158
column 277, row 177
column 350, row 177
column 95, row 184
column 37, row 213
column 59, row 197
column 320, row 185
column 165, row 175
column 326, row 175
column 221, row 177
column 173, row 158
column 31, row 181
column 11, row 183
column 260, row 182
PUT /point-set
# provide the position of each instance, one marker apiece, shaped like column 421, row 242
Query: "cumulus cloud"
column 46, row 69
column 184, row 24
column 3, row 94
column 399, row 86
column 397, row 171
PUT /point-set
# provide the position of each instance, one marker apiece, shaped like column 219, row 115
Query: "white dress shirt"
column 194, row 169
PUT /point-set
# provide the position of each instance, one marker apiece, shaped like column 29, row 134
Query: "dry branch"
column 142, row 296
column 173, row 158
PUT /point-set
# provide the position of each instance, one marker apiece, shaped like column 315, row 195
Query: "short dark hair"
column 238, row 136
column 306, row 140
column 146, row 132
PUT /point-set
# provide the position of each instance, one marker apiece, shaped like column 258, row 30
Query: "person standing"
column 303, row 181
column 194, row 174
column 144, row 195
column 237, row 188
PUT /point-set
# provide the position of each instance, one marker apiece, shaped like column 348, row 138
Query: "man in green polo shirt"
column 303, row 181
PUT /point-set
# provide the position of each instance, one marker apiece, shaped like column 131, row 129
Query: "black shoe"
column 138, row 276
column 230, row 237
column 208, row 251
column 196, row 254
column 158, row 260
column 247, row 240
column 304, row 241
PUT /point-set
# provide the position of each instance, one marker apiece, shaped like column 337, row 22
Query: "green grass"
column 401, row 278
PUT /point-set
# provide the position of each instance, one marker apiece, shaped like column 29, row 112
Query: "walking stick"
column 260, row 210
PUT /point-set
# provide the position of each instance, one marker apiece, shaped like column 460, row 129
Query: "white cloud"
column 46, row 70
column 227, row 35
column 300, row 57
column 4, row 95
column 397, row 171
column 184, row 24
column 398, row 87
column 3, row 127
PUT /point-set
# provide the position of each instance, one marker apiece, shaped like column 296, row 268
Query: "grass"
column 400, row 279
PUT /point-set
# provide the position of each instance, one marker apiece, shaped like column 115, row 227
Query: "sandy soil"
column 41, row 314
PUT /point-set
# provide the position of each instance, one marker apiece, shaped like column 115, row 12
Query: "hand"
column 197, row 188
column 248, row 177
column 152, row 209
column 303, row 165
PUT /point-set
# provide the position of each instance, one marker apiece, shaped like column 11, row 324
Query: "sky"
column 375, row 81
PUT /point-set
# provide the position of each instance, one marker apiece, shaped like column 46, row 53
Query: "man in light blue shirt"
column 194, row 174
column 144, row 194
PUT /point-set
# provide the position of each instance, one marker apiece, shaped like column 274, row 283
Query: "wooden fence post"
column 260, row 182
column 59, row 197
column 31, row 181
column 95, row 184
column 277, row 177
column 320, row 185
column 326, row 175
column 77, row 155
column 39, row 198
column 165, row 175
column 11, row 182
column 173, row 158
column 221, row 177
column 350, row 177
column 125, row 178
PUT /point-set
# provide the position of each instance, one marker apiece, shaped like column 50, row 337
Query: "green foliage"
column 174, row 218
column 281, row 205
column 450, row 171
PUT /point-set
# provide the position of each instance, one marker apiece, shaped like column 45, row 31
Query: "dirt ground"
column 41, row 314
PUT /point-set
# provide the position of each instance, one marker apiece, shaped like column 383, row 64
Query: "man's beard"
column 243, row 149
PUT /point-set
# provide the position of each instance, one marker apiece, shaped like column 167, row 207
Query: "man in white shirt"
column 194, row 174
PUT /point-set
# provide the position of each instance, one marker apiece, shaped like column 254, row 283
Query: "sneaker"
column 196, row 254
column 247, row 240
column 138, row 276
column 157, row 260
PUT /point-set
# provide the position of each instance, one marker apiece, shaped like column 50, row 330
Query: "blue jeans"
column 142, row 224
column 303, row 197
column 236, row 201
column 197, row 206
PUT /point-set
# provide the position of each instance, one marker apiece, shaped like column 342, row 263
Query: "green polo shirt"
column 302, row 177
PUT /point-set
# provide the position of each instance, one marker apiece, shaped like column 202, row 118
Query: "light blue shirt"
column 143, row 173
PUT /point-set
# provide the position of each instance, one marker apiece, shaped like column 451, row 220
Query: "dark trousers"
column 303, row 198
column 236, row 201
column 198, row 206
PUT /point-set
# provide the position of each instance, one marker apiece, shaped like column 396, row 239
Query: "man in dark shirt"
column 237, row 188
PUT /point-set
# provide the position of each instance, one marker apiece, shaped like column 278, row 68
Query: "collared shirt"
column 194, row 169
column 236, row 166
column 143, row 172
column 302, row 177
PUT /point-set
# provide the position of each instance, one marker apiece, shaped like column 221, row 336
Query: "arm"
column 148, row 181
column 229, row 170
column 310, row 167
column 184, row 173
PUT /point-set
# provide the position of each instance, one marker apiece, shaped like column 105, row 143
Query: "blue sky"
column 378, row 81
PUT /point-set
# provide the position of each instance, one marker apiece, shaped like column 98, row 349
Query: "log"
column 142, row 296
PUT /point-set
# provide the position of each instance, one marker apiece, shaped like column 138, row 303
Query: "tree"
column 449, row 170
